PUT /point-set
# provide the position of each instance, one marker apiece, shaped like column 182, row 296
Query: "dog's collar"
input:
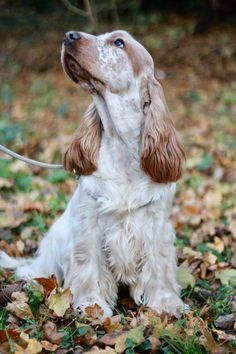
column 96, row 197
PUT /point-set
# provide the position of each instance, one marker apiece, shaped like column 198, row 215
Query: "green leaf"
column 184, row 277
column 83, row 330
column 205, row 163
column 227, row 276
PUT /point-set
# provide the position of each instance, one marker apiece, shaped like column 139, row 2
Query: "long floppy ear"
column 162, row 155
column 81, row 155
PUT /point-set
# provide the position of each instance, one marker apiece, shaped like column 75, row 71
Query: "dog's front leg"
column 156, row 284
column 87, row 274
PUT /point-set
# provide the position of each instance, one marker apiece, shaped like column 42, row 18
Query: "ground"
column 40, row 109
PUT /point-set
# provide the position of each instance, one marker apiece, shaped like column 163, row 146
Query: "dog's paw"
column 171, row 304
column 98, row 307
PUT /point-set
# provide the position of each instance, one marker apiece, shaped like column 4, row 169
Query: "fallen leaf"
column 12, row 218
column 218, row 244
column 208, row 340
column 113, row 337
column 6, row 183
column 225, row 322
column 60, row 302
column 232, row 227
column 226, row 337
column 107, row 350
column 134, row 335
column 6, row 293
column 49, row 346
column 19, row 306
column 49, row 284
column 184, row 277
column 51, row 334
column 227, row 276
column 5, row 333
column 94, row 312
column 112, row 323
column 33, row 346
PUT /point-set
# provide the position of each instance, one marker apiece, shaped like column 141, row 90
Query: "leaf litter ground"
column 40, row 109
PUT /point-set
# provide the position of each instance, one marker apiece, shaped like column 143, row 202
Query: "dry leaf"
column 94, row 312
column 49, row 284
column 49, row 346
column 225, row 322
column 218, row 244
column 107, row 350
column 10, row 332
column 51, row 334
column 208, row 340
column 6, row 293
column 33, row 346
column 184, row 277
column 227, row 276
column 60, row 302
column 112, row 323
column 19, row 306
column 12, row 218
column 135, row 334
column 113, row 337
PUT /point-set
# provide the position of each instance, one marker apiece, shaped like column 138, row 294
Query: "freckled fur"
column 116, row 227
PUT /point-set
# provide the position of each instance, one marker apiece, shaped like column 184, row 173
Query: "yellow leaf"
column 184, row 277
column 60, row 302
column 135, row 335
column 218, row 244
column 33, row 346
column 49, row 346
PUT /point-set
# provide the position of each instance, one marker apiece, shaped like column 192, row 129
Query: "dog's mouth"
column 80, row 75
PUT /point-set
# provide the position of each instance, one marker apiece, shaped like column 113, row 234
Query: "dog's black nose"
column 71, row 36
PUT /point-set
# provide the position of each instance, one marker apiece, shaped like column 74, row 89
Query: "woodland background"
column 194, row 48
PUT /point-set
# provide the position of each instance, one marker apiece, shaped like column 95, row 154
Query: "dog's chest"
column 123, row 246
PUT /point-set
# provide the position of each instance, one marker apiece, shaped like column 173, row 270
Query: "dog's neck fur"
column 121, row 115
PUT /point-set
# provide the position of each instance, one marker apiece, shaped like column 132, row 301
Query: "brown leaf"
column 88, row 339
column 32, row 345
column 10, row 249
column 225, row 322
column 19, row 307
column 4, row 334
column 6, row 183
column 112, row 337
column 94, row 312
column 49, row 284
column 107, row 350
column 112, row 323
column 51, row 334
column 49, row 346
column 12, row 218
column 5, row 293
column 208, row 340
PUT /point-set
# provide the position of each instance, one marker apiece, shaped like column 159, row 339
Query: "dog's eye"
column 119, row 43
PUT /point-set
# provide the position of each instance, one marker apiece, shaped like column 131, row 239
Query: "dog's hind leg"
column 50, row 256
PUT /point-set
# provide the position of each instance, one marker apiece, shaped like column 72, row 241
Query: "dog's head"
column 106, row 62
column 113, row 62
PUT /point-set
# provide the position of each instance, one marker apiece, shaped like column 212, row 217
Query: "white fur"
column 116, row 227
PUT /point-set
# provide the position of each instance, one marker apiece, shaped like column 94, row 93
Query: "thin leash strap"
column 29, row 161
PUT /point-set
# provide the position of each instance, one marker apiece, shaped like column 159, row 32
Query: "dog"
column 116, row 228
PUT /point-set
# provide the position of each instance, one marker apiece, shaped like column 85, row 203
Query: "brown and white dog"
column 116, row 227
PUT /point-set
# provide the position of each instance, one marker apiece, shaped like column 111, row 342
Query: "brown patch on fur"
column 80, row 62
column 81, row 155
column 162, row 155
column 137, row 55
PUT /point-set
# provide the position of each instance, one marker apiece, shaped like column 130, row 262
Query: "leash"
column 29, row 161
